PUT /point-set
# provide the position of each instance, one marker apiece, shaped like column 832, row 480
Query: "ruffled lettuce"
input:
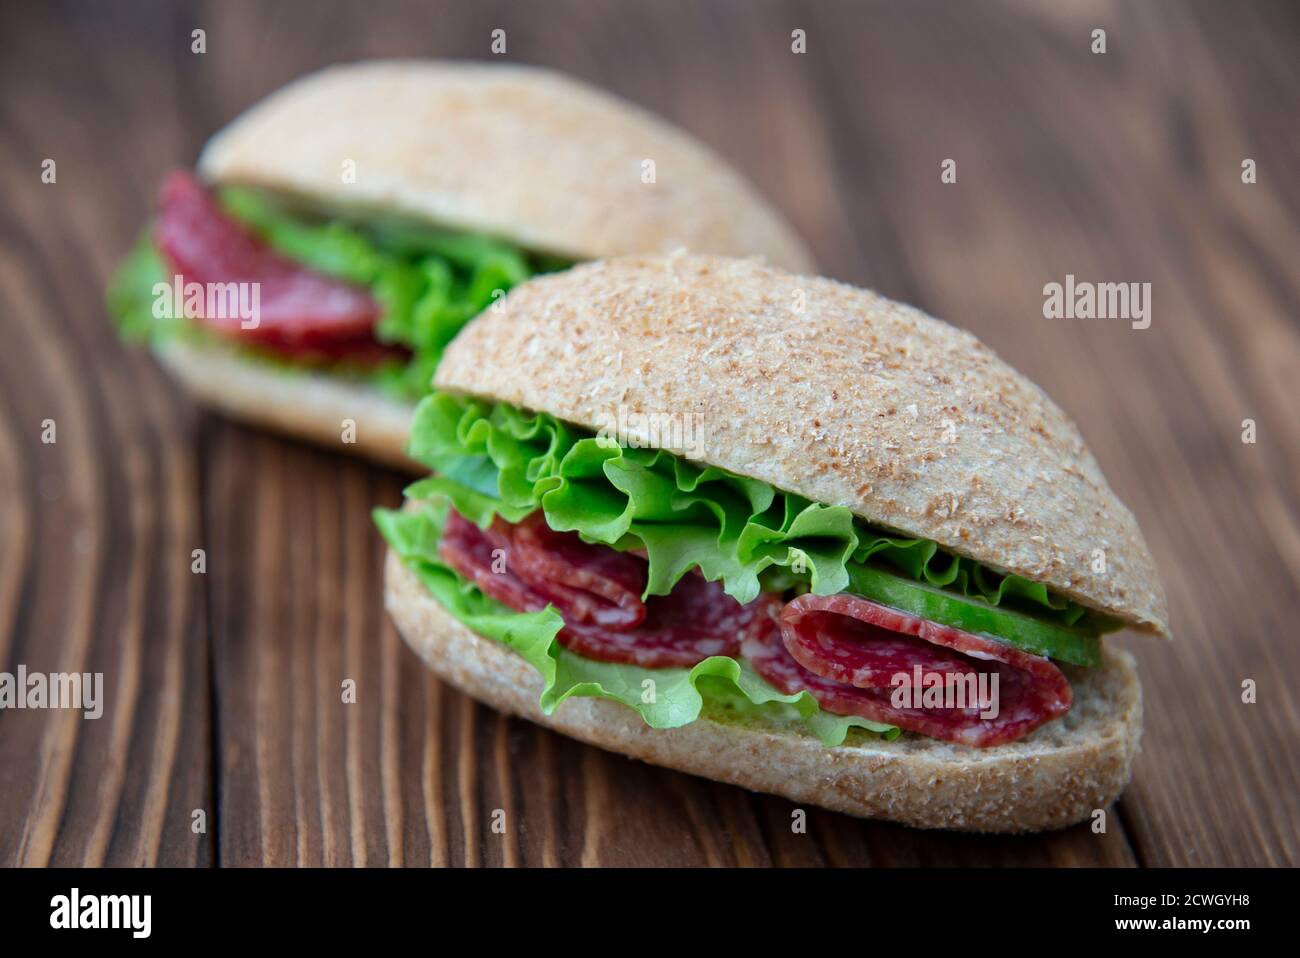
column 130, row 291
column 492, row 459
column 719, row 687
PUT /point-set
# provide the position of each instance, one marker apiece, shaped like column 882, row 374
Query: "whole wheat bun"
column 518, row 152
column 308, row 405
column 1055, row 776
column 828, row 391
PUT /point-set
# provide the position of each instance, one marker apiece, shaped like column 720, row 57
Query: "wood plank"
column 98, row 526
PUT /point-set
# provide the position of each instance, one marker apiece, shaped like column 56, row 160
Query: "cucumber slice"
column 1014, row 628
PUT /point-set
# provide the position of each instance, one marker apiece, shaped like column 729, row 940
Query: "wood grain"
column 97, row 526
column 225, row 690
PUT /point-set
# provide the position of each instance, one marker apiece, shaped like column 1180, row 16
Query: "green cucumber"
column 996, row 622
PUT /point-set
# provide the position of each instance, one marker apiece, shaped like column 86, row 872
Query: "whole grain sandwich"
column 337, row 235
column 780, row 532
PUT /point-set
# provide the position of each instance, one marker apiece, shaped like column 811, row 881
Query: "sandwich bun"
column 828, row 391
column 1054, row 777
column 305, row 404
column 518, row 152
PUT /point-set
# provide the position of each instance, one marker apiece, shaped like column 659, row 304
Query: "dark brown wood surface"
column 223, row 689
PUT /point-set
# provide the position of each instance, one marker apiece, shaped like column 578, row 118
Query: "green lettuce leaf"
column 720, row 687
column 130, row 291
column 492, row 459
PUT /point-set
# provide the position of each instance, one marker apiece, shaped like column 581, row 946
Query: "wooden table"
column 223, row 689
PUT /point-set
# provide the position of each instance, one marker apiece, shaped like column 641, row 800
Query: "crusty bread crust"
column 307, row 405
column 1054, row 777
column 829, row 391
column 523, row 153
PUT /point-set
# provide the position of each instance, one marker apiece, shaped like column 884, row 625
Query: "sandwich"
column 337, row 235
column 780, row 532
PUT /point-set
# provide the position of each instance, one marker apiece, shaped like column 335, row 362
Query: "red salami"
column 849, row 653
column 598, row 592
column 846, row 651
column 300, row 312
column 482, row 556
column 591, row 583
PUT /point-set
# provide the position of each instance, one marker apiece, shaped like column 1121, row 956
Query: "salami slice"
column 846, row 652
column 591, row 583
column 482, row 556
column 300, row 311
column 597, row 591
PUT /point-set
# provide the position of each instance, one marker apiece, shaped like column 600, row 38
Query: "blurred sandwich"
column 338, row 235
